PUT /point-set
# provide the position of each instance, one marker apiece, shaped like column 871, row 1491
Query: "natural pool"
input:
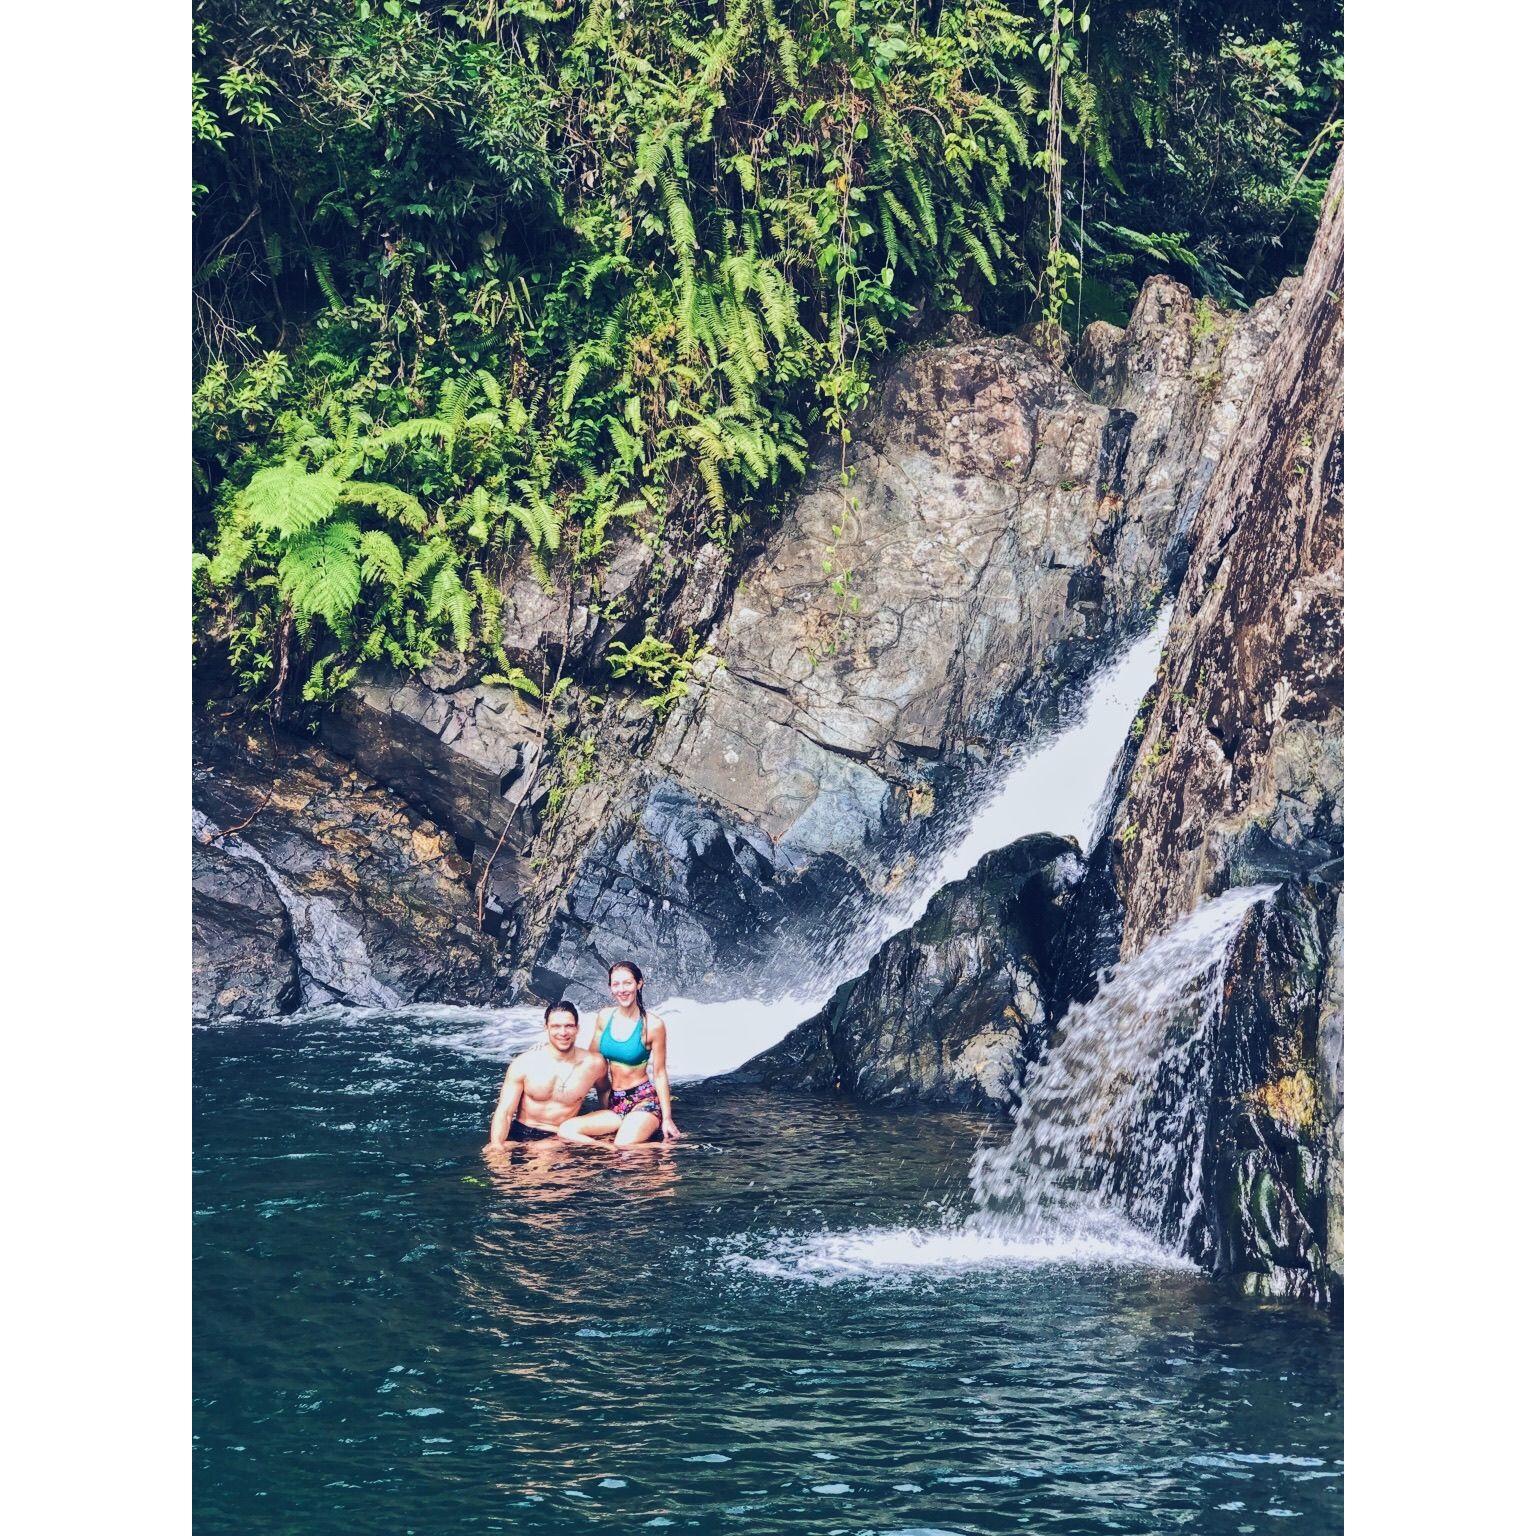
column 393, row 1333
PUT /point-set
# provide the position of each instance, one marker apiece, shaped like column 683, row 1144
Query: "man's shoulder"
column 525, row 1059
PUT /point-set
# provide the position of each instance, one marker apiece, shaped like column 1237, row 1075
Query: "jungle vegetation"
column 475, row 284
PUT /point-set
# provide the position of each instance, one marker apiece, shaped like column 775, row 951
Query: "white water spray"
column 1113, row 1116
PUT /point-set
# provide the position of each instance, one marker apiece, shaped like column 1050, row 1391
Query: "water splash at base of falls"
column 1103, row 1166
column 1113, row 1116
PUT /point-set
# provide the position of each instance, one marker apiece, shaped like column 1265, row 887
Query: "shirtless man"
column 546, row 1084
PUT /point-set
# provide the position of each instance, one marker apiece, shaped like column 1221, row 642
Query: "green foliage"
column 474, row 286
column 359, row 569
column 1214, row 129
column 661, row 665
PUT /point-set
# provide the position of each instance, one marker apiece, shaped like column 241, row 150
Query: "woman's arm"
column 506, row 1108
column 669, row 1130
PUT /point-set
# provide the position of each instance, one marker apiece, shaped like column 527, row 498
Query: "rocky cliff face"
column 1238, row 777
column 312, row 885
column 1239, row 770
column 951, row 1010
column 989, row 533
column 1274, row 1152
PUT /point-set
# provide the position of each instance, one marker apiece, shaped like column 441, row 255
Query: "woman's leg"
column 591, row 1129
column 637, row 1126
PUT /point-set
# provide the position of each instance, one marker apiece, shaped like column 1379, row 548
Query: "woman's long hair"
column 635, row 971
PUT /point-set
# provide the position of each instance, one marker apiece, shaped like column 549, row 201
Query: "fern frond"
column 426, row 560
column 680, row 227
column 922, row 202
column 387, row 500
column 410, row 433
column 778, row 302
column 515, row 677
column 1007, row 125
column 538, row 520
column 323, row 279
column 229, row 554
column 650, row 154
column 320, row 576
column 488, row 599
column 381, row 559
column 453, row 406
column 287, row 498
column 450, row 599
column 978, row 254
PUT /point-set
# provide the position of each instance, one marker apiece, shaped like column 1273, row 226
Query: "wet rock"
column 466, row 757
column 1239, row 769
column 378, row 902
column 951, row 1008
column 243, row 964
column 1237, row 777
column 935, row 592
column 1273, row 1146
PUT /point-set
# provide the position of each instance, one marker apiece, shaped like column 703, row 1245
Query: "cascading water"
column 1113, row 1116
column 1103, row 1165
column 1056, row 786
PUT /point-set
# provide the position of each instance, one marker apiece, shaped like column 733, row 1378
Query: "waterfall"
column 334, row 965
column 1059, row 785
column 1103, row 1165
column 1113, row 1116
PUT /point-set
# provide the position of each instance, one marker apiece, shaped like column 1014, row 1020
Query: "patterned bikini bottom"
column 642, row 1096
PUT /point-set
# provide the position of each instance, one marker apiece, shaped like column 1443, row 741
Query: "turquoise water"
column 393, row 1333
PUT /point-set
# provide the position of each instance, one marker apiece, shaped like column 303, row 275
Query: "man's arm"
column 506, row 1106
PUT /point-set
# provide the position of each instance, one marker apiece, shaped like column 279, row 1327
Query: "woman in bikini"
column 634, row 1044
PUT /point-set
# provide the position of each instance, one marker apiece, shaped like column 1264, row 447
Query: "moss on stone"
column 1291, row 1101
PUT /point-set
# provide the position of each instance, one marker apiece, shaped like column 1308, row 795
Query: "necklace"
column 565, row 1081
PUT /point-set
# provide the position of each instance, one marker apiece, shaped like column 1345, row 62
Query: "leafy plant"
column 660, row 664
column 545, row 270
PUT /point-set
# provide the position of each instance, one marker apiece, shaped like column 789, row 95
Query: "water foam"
column 1113, row 1116
column 902, row 1254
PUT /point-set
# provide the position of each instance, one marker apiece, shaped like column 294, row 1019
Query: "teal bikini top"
column 632, row 1050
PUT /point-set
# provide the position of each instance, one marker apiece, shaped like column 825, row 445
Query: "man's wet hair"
column 562, row 1007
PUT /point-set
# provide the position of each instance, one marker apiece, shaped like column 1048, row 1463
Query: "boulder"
column 243, row 964
column 377, row 903
column 464, row 755
column 1273, row 1151
column 952, row 1008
